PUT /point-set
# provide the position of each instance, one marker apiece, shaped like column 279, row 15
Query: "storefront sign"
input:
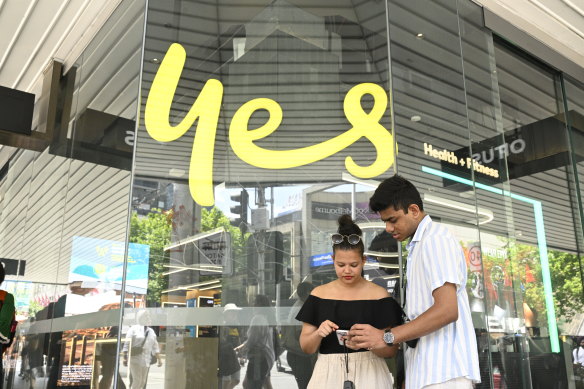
column 321, row 259
column 332, row 211
column 529, row 149
column 462, row 162
column 215, row 251
column 500, row 152
column 206, row 109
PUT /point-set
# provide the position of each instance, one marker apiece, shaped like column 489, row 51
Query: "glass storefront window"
column 68, row 231
column 202, row 153
column 544, row 241
column 268, row 116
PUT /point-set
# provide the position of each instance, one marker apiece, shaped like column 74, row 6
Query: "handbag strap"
column 145, row 336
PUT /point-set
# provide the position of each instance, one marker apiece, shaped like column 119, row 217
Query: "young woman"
column 337, row 306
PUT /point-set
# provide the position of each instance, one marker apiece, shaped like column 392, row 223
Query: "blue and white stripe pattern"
column 434, row 258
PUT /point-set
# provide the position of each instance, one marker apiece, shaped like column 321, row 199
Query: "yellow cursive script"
column 364, row 125
column 206, row 109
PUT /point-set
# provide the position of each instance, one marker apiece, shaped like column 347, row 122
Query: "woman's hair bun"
column 347, row 226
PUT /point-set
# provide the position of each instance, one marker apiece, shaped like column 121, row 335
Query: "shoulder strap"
column 143, row 341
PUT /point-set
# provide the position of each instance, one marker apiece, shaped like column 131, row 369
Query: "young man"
column 436, row 301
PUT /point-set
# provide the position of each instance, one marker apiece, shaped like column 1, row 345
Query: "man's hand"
column 366, row 336
column 326, row 327
column 351, row 344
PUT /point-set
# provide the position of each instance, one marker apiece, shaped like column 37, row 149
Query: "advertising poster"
column 100, row 260
column 78, row 357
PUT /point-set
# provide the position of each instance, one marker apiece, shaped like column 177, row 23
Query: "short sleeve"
column 390, row 314
column 308, row 312
column 443, row 262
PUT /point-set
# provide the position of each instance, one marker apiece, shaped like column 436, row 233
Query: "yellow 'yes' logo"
column 206, row 109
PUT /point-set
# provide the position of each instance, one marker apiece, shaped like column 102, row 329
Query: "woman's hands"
column 311, row 336
column 326, row 328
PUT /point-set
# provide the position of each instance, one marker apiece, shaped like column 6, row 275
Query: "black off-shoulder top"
column 382, row 313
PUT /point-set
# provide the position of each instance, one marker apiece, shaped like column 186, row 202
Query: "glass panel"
column 65, row 212
column 442, row 86
column 236, row 225
column 571, row 270
column 531, row 279
column 484, row 114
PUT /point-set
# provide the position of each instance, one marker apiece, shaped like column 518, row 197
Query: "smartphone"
column 340, row 334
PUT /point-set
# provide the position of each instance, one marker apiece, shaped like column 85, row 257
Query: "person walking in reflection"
column 436, row 301
column 143, row 348
column 301, row 363
column 107, row 354
column 578, row 355
column 229, row 338
column 259, row 347
column 337, row 306
column 107, row 360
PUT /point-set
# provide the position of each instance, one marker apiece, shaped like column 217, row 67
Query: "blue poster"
column 103, row 260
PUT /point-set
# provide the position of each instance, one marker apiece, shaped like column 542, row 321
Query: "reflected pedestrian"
column 144, row 350
column 259, row 347
column 302, row 364
column 229, row 338
column 578, row 355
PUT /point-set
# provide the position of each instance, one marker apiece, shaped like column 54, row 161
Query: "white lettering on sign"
column 500, row 152
column 450, row 157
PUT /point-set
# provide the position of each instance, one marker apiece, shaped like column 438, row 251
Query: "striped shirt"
column 434, row 258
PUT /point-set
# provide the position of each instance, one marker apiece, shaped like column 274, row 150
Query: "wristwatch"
column 388, row 338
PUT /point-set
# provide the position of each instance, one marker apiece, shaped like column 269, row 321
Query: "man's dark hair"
column 395, row 192
column 2, row 273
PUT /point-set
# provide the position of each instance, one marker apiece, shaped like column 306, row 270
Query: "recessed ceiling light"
column 420, row 36
column 416, row 118
column 155, row 60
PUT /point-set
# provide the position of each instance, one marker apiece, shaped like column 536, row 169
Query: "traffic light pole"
column 261, row 236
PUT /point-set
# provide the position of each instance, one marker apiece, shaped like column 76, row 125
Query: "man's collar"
column 421, row 228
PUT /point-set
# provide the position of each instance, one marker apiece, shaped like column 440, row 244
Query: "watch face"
column 388, row 337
